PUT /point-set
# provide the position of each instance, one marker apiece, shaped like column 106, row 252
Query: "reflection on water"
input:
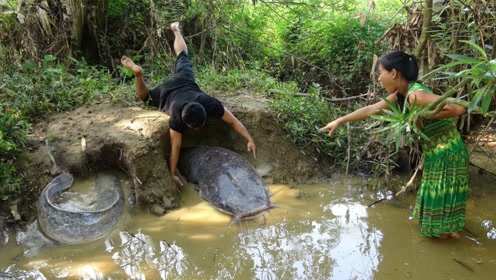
column 357, row 249
column 323, row 231
column 342, row 247
column 488, row 224
column 137, row 254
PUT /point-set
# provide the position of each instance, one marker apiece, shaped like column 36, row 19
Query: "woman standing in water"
column 442, row 195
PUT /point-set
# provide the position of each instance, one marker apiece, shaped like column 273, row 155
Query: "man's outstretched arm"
column 229, row 118
column 176, row 141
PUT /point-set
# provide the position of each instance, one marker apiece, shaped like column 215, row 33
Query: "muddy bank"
column 134, row 138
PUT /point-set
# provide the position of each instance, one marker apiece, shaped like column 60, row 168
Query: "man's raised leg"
column 179, row 43
column 141, row 87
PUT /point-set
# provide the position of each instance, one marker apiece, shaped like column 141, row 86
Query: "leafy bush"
column 13, row 131
column 53, row 87
column 234, row 81
column 301, row 117
column 333, row 49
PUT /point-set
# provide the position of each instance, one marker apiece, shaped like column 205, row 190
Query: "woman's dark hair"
column 194, row 115
column 404, row 63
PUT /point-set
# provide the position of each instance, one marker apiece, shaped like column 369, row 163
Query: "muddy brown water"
column 320, row 231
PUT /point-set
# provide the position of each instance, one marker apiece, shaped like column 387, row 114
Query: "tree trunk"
column 424, row 36
column 77, row 10
column 101, row 13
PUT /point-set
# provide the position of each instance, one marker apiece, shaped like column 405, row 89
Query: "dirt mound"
column 135, row 138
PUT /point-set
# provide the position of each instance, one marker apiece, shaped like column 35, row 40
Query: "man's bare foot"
column 129, row 64
column 444, row 236
column 449, row 235
column 174, row 26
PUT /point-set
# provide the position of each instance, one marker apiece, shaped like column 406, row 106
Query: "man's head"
column 194, row 115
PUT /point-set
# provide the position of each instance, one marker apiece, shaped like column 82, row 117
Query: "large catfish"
column 79, row 226
column 226, row 180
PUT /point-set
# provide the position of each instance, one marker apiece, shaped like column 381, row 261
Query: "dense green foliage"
column 303, row 116
column 12, row 139
column 336, row 48
column 33, row 90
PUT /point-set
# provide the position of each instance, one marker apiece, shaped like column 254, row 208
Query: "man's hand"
column 229, row 118
column 177, row 180
column 252, row 147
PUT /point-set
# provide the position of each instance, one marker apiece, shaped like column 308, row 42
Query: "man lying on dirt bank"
column 181, row 98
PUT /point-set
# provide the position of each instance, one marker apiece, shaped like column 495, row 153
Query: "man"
column 181, row 98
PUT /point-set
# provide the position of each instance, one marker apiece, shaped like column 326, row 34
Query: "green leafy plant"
column 234, row 81
column 302, row 117
column 13, row 131
column 401, row 126
column 334, row 51
column 477, row 74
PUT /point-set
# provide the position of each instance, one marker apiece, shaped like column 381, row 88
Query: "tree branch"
column 275, row 91
column 426, row 26
column 335, row 99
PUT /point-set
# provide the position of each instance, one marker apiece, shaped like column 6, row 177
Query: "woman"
column 442, row 195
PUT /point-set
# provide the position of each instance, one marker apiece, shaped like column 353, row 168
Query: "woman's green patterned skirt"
column 442, row 195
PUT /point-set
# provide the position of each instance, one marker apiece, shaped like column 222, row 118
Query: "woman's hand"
column 330, row 127
column 420, row 123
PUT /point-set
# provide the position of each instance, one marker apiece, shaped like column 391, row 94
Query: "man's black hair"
column 194, row 115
